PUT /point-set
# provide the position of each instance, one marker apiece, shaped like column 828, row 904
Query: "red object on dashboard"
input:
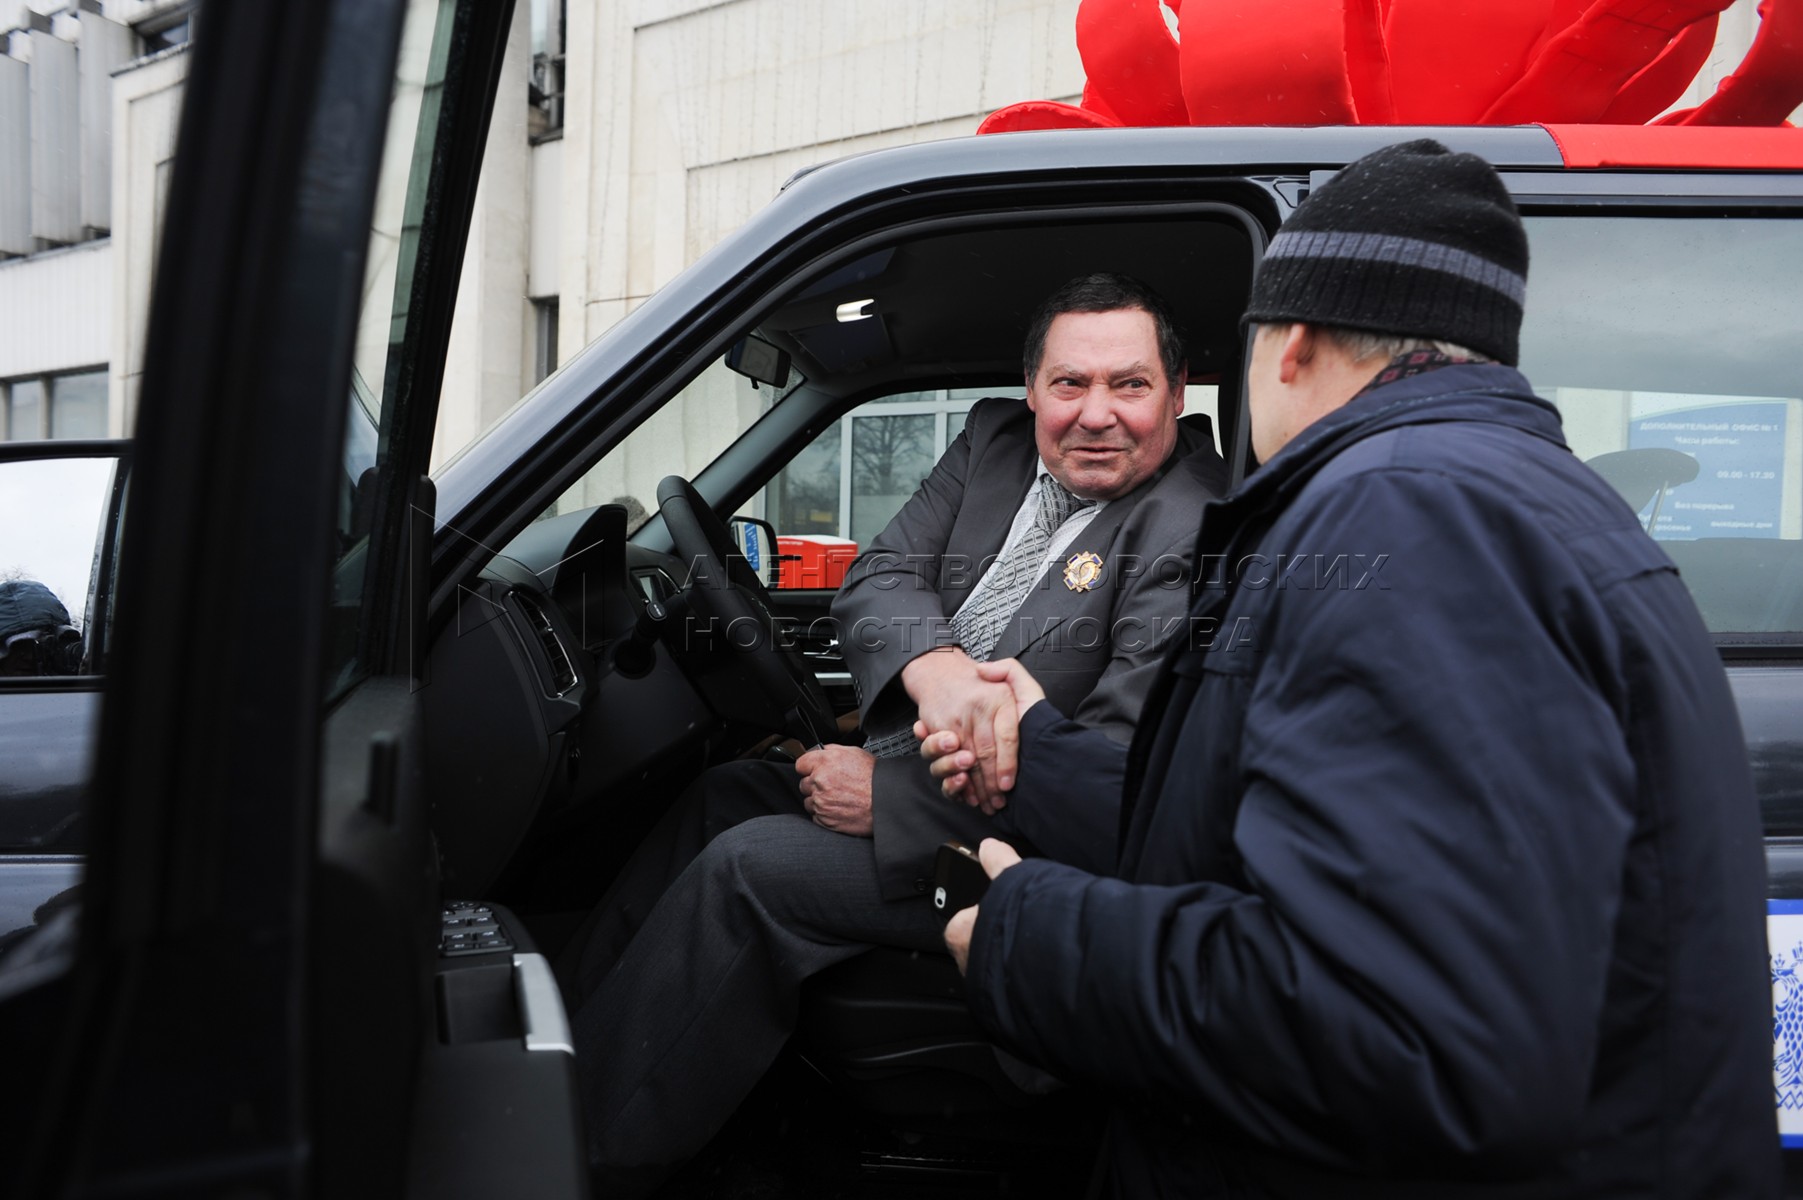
column 814, row 560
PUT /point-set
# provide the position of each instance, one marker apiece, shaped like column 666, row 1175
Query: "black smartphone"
column 959, row 880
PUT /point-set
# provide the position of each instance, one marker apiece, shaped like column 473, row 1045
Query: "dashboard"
column 528, row 722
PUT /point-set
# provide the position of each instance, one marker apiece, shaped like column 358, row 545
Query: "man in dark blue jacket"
column 1441, row 874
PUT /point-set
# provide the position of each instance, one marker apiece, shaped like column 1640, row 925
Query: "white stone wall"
column 684, row 116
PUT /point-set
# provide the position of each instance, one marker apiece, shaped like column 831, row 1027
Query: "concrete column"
column 105, row 47
column 15, row 155
column 55, row 140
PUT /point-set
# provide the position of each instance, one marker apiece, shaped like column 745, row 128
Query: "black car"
column 353, row 746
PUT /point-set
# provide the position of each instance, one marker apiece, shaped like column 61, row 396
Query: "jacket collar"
column 1484, row 392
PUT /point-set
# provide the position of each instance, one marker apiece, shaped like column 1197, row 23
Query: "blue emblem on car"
column 1784, row 939
column 1787, row 1028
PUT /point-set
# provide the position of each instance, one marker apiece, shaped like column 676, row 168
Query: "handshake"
column 969, row 726
column 969, row 730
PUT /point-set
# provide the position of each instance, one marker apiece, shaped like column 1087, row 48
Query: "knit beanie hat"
column 1412, row 240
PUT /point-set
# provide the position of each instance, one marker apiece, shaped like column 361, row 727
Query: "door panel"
column 274, row 956
column 194, row 917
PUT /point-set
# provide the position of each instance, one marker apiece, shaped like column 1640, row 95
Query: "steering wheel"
column 743, row 666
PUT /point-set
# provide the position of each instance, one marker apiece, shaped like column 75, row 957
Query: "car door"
column 244, row 1001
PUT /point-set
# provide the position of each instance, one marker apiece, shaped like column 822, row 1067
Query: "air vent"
column 563, row 672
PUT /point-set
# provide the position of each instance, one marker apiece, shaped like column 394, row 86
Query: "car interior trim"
column 541, row 1005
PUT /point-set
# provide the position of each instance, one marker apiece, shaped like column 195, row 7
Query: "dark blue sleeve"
column 1067, row 796
column 1435, row 803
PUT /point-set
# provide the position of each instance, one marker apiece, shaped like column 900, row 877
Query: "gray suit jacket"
column 1095, row 652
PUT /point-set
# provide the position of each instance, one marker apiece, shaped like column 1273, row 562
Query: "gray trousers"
column 706, row 980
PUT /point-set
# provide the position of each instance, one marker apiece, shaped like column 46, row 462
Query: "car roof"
column 1267, row 149
column 1246, row 150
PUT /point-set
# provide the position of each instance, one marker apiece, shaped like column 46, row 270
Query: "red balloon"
column 1416, row 62
column 1452, row 59
column 1131, row 60
column 1657, row 87
column 1768, row 88
column 1266, row 62
column 1578, row 74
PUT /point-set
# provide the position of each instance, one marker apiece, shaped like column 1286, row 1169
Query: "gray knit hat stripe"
column 1401, row 251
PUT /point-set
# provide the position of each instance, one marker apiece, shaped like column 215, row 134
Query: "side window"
column 848, row 483
column 1670, row 345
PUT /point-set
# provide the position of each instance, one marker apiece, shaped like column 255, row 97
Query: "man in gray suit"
column 1057, row 532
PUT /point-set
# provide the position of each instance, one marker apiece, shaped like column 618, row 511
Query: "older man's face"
column 1104, row 414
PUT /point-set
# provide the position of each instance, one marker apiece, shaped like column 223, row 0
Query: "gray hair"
column 1361, row 345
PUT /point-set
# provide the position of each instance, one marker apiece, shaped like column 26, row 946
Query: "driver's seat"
column 891, row 1030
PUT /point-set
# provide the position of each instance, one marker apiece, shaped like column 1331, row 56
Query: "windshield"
column 680, row 438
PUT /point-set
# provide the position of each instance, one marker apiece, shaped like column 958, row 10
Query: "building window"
column 167, row 38
column 25, row 410
column 544, row 339
column 545, row 87
column 55, row 406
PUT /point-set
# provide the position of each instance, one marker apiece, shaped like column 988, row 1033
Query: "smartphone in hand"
column 959, row 879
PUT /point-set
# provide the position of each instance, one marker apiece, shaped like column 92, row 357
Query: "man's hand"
column 954, row 697
column 835, row 788
column 996, row 856
column 951, row 760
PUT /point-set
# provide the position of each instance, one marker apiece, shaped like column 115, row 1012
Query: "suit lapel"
column 993, row 493
column 1051, row 602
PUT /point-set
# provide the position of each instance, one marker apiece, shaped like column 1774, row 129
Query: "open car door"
column 246, row 1000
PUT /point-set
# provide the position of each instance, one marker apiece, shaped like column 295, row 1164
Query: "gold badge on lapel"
column 1083, row 571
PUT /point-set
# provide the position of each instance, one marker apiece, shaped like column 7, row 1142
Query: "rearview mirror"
column 759, row 361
